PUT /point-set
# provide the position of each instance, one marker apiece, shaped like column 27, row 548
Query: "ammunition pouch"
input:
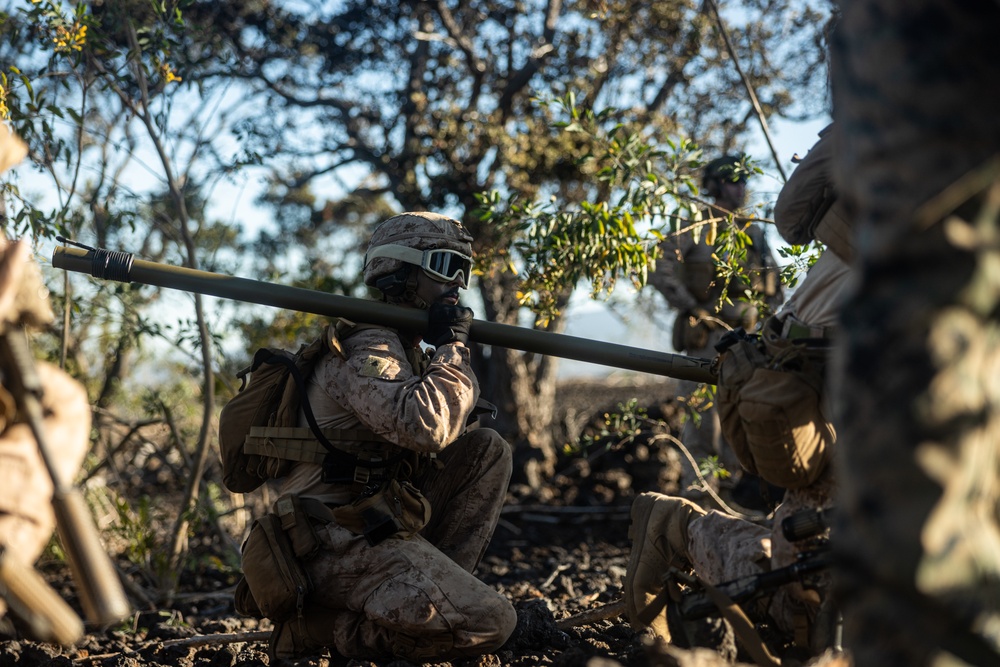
column 396, row 509
column 384, row 507
column 770, row 391
column 274, row 584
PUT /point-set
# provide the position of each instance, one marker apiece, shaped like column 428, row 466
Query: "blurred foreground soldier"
column 26, row 514
column 390, row 527
column 44, row 433
column 27, row 519
column 707, row 304
column 919, row 158
column 772, row 407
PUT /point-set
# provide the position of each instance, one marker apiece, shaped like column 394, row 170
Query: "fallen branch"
column 215, row 640
column 552, row 577
column 602, row 613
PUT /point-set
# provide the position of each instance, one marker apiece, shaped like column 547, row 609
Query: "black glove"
column 448, row 324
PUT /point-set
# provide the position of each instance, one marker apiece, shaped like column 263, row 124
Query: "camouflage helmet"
column 723, row 169
column 388, row 249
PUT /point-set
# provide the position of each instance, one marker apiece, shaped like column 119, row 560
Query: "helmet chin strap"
column 408, row 295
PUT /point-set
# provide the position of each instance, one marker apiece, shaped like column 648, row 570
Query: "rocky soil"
column 559, row 550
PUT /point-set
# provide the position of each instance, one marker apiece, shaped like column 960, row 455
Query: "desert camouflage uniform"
column 26, row 516
column 723, row 548
column 719, row 547
column 920, row 399
column 686, row 277
column 411, row 598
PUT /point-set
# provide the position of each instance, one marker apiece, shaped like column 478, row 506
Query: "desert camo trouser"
column 418, row 598
column 724, row 548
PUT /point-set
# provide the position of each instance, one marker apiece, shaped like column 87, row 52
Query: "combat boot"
column 659, row 535
column 298, row 639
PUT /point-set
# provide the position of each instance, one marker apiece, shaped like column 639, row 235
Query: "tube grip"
column 101, row 593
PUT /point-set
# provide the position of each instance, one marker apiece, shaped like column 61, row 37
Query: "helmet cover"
column 419, row 230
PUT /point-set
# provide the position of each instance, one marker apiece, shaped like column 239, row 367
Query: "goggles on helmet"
column 439, row 263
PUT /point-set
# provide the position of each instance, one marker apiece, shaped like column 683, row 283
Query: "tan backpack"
column 272, row 397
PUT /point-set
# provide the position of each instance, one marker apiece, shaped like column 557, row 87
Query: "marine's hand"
column 448, row 324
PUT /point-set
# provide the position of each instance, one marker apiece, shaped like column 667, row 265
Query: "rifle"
column 701, row 600
column 699, row 603
column 31, row 599
column 696, row 602
column 100, row 589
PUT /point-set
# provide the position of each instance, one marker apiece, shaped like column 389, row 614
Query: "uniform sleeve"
column 425, row 412
column 667, row 280
column 808, row 192
column 26, row 514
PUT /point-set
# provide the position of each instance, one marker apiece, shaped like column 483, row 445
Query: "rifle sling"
column 742, row 626
column 729, row 610
column 653, row 609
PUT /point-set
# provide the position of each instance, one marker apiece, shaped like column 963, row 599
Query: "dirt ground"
column 559, row 550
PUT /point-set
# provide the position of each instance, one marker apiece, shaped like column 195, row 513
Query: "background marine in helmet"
column 708, row 304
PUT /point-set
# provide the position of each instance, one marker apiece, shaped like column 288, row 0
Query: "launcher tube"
column 125, row 268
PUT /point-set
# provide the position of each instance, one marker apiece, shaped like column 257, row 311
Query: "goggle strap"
column 420, row 258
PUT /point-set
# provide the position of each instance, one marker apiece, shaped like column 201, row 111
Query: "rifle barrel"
column 123, row 267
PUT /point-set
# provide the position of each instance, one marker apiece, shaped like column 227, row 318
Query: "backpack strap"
column 268, row 357
column 302, row 444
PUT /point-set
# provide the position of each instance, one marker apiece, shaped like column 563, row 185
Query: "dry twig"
column 602, row 613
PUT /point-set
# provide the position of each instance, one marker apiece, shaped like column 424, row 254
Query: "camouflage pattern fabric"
column 724, row 548
column 918, row 151
column 410, row 598
column 374, row 385
column 417, row 598
column 26, row 517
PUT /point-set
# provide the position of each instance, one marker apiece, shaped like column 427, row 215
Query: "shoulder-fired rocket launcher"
column 113, row 265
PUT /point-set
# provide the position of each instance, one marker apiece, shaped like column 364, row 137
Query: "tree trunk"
column 521, row 384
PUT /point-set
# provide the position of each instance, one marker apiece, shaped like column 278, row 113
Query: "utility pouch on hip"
column 276, row 579
column 398, row 509
column 770, row 407
column 298, row 527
